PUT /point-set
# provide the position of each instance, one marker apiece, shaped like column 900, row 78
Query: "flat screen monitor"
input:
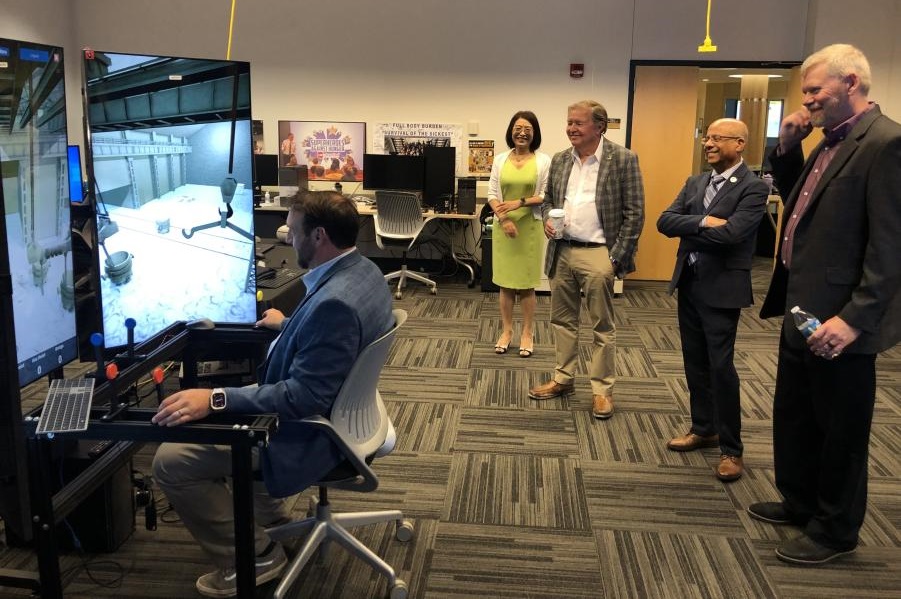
column 394, row 171
column 38, row 239
column 265, row 170
column 37, row 316
column 76, row 189
column 169, row 149
column 440, row 175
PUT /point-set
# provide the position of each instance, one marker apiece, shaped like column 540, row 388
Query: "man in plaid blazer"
column 598, row 185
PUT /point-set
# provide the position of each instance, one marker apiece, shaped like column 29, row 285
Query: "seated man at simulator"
column 347, row 306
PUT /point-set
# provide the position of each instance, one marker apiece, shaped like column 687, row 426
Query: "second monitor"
column 431, row 174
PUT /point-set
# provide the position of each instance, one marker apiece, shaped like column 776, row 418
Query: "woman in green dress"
column 515, row 193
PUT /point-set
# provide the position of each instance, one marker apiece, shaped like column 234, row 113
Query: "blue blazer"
column 347, row 309
column 725, row 253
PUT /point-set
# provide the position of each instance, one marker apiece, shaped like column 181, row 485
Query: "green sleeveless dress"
column 516, row 262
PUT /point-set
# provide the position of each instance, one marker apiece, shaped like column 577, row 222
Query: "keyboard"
column 67, row 407
column 281, row 276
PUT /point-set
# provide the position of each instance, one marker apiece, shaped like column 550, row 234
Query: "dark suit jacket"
column 846, row 256
column 619, row 199
column 345, row 311
column 724, row 253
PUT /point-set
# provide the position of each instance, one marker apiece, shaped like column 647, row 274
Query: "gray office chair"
column 360, row 427
column 398, row 224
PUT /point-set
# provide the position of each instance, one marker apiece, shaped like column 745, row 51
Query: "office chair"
column 398, row 223
column 360, row 427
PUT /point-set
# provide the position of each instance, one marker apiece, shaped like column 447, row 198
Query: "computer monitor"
column 169, row 162
column 440, row 177
column 76, row 185
column 37, row 314
column 265, row 171
column 390, row 171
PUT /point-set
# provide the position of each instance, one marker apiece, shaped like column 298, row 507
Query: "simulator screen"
column 35, row 198
column 170, row 171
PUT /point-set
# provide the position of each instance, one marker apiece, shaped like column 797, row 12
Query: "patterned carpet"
column 519, row 498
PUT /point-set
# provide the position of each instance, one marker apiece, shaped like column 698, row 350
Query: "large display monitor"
column 169, row 162
column 36, row 291
column 394, row 171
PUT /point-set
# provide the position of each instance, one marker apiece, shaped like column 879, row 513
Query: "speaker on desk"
column 466, row 195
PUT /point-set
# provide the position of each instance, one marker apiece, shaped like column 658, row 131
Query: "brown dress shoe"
column 550, row 390
column 730, row 468
column 602, row 407
column 691, row 441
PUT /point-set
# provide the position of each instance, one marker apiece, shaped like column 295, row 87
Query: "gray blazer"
column 846, row 257
column 725, row 253
column 619, row 199
column 347, row 309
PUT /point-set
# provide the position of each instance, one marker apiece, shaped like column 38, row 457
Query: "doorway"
column 670, row 106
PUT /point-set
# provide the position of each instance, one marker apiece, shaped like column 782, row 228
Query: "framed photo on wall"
column 331, row 150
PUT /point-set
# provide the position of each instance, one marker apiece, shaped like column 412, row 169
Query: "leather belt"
column 580, row 244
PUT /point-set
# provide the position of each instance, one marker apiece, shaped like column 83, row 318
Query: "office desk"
column 447, row 222
column 267, row 215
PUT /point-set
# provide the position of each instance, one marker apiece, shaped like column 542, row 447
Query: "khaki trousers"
column 585, row 270
column 196, row 480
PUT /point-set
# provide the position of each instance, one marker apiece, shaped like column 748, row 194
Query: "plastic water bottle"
column 805, row 322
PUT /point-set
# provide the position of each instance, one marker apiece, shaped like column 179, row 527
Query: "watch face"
column 217, row 400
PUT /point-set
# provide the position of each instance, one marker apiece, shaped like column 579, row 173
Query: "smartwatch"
column 217, row 400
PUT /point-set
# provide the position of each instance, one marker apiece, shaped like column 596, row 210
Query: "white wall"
column 876, row 31
column 453, row 61
column 762, row 30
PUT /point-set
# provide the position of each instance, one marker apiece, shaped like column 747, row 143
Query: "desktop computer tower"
column 106, row 519
column 466, row 195
column 438, row 178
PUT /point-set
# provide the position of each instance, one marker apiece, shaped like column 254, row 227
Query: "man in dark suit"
column 346, row 307
column 716, row 216
column 598, row 185
column 838, row 259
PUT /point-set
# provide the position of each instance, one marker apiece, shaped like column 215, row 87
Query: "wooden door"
column 664, row 116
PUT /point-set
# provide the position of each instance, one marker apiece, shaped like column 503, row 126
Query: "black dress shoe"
column 773, row 512
column 804, row 551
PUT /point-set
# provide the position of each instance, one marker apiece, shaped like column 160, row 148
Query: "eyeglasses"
column 717, row 138
column 522, row 130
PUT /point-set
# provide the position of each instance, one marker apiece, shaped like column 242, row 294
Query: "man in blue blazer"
column 716, row 216
column 346, row 307
column 838, row 259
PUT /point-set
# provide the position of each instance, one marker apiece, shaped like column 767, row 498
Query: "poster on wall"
column 481, row 157
column 413, row 138
column 331, row 150
column 256, row 130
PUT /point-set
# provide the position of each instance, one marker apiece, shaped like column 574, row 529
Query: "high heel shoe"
column 501, row 348
column 525, row 351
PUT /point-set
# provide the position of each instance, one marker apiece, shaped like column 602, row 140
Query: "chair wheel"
column 398, row 591
column 404, row 531
column 434, row 291
column 398, row 295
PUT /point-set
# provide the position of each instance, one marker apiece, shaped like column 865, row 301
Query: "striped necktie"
column 709, row 194
column 712, row 188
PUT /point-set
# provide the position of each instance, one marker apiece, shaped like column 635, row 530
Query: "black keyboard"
column 67, row 407
column 276, row 277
